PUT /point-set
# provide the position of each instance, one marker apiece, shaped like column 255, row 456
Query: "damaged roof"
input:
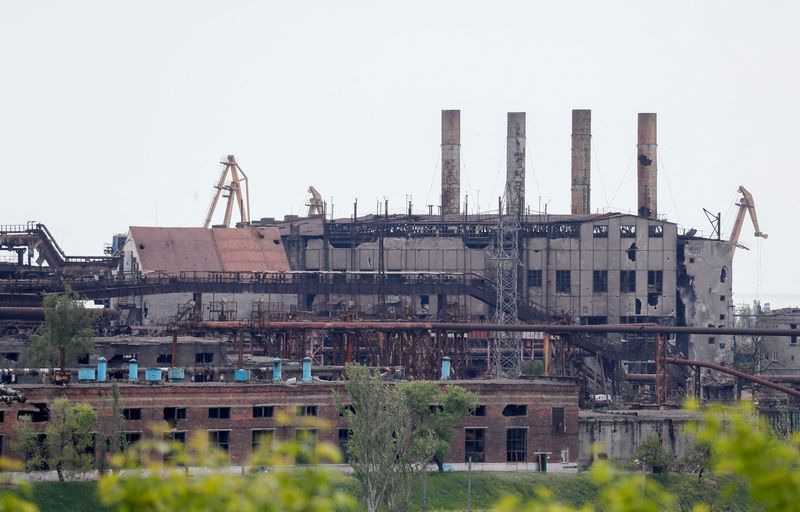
column 175, row 250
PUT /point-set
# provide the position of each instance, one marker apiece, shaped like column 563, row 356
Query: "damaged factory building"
column 402, row 292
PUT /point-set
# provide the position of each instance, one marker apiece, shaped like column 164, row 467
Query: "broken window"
column 655, row 231
column 627, row 281
column 655, row 281
column 348, row 407
column 516, row 444
column 11, row 356
column 263, row 411
column 306, row 410
column 164, row 358
column 638, row 307
column 515, row 410
column 794, row 336
column 128, row 438
column 261, row 437
column 600, row 231
column 220, row 438
column 42, row 413
column 535, row 278
column 722, row 298
column 344, row 439
column 204, row 357
column 594, row 320
column 600, row 281
column 479, row 410
column 307, row 440
column 711, row 340
column 559, row 426
column 219, row 413
column 563, row 281
column 723, row 274
column 627, row 231
column 132, row 414
column 474, row 444
column 172, row 414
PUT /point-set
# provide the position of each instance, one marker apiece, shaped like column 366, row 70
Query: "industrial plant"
column 570, row 327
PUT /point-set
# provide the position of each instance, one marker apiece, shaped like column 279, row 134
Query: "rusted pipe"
column 466, row 327
column 731, row 371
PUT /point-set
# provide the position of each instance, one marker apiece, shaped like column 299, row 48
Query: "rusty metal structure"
column 235, row 194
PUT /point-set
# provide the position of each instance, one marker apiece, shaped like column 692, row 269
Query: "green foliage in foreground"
column 750, row 469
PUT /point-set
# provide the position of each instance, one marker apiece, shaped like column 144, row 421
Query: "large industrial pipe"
column 581, row 161
column 515, row 164
column 451, row 161
column 731, row 371
column 646, row 168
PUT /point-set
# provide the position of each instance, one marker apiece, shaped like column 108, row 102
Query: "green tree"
column 651, row 454
column 383, row 451
column 66, row 331
column 435, row 411
column 109, row 436
column 28, row 444
column 69, row 436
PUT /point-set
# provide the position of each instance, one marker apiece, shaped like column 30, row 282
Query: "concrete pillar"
column 581, row 161
column 515, row 164
column 451, row 161
column 646, row 166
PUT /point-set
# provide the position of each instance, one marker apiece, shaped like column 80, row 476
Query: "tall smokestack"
column 646, row 167
column 451, row 161
column 581, row 161
column 515, row 164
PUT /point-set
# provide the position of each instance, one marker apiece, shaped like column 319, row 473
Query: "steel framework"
column 505, row 347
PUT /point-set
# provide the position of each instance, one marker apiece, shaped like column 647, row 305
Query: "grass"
column 446, row 491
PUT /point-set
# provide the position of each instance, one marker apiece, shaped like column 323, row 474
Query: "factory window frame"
column 2, row 418
column 711, row 340
column 515, row 410
column 204, row 357
column 129, row 438
column 474, row 444
column 173, row 414
column 12, row 356
column 219, row 413
column 343, row 437
column 174, row 437
column 516, row 444
column 307, row 410
column 559, row 424
column 83, row 359
column 655, row 281
column 479, row 410
column 600, row 231
column 655, row 231
column 563, row 281
column 132, row 414
column 627, row 281
column 164, row 358
column 220, row 438
column 600, row 281
column 261, row 437
column 627, row 231
column 793, row 339
column 263, row 411
column 307, row 440
column 535, row 278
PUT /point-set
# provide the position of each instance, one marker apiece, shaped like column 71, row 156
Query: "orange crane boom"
column 746, row 205
column 234, row 189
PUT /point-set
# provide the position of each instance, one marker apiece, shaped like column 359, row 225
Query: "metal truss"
column 505, row 348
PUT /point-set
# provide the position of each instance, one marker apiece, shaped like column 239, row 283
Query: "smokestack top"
column 647, row 128
column 582, row 122
column 451, row 127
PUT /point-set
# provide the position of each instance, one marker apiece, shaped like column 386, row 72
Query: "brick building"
column 514, row 422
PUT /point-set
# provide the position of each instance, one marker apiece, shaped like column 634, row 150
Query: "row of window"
column 628, row 231
column 172, row 414
column 627, row 281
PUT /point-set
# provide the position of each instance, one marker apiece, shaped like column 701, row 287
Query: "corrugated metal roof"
column 173, row 250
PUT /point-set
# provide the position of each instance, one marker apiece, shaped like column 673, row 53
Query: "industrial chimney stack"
column 646, row 166
column 451, row 161
column 515, row 164
column 581, row 161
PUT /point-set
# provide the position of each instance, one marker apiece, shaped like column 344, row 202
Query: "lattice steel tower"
column 505, row 347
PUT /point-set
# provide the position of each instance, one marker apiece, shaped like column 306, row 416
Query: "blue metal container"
column 445, row 368
column 276, row 370
column 176, row 374
column 152, row 375
column 101, row 369
column 306, row 369
column 86, row 374
column 240, row 375
column 133, row 370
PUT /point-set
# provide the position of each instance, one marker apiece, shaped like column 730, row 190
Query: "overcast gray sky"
column 115, row 114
